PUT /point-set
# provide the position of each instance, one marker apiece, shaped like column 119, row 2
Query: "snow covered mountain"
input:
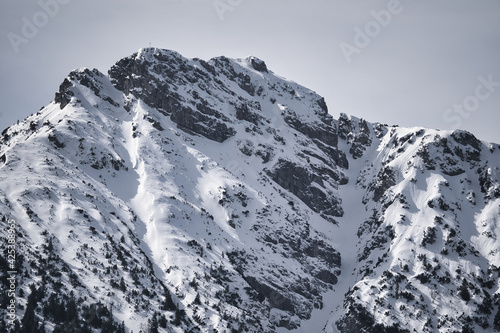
column 182, row 195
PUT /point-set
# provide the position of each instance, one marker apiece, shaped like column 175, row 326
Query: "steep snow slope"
column 188, row 195
column 182, row 197
column 427, row 256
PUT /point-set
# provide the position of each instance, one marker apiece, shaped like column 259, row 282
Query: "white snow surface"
column 194, row 206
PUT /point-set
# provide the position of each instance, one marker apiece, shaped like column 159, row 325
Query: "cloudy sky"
column 433, row 63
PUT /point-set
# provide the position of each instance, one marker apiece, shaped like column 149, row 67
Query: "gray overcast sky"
column 433, row 63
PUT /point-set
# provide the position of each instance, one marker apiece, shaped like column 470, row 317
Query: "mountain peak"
column 183, row 195
column 257, row 64
column 154, row 53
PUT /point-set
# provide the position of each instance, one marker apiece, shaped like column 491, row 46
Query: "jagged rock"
column 385, row 179
column 299, row 181
column 200, row 123
column 63, row 96
column 322, row 132
column 322, row 104
column 243, row 113
column 465, row 138
column 258, row 65
column 356, row 133
column 275, row 298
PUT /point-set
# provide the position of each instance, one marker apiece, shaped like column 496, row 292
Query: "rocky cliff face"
column 183, row 195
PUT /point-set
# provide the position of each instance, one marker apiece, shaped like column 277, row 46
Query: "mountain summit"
column 183, row 195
